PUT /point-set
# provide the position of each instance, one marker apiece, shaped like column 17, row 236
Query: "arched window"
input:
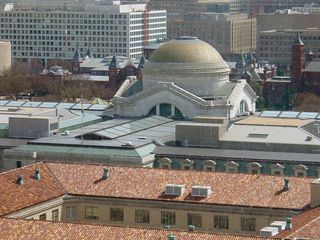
column 243, row 107
column 166, row 110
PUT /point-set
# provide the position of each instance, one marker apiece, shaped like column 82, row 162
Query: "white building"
column 46, row 30
column 184, row 77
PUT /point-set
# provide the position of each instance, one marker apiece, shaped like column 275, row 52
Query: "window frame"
column 246, row 224
column 142, row 216
column 194, row 219
column 221, row 222
column 55, row 215
column 114, row 217
column 70, row 213
column 91, row 213
column 168, row 218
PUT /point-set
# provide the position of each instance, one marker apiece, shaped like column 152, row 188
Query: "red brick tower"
column 297, row 62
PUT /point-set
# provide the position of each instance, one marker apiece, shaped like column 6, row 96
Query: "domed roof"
column 186, row 50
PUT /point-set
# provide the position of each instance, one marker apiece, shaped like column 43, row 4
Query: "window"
column 70, row 213
column 116, row 214
column 248, row 224
column 142, row 216
column 55, row 215
column 18, row 164
column 91, row 213
column 209, row 166
column 168, row 218
column 43, row 217
column 195, row 220
column 221, row 222
column 187, row 164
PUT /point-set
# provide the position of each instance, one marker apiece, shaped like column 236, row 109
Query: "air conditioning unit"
column 174, row 189
column 201, row 191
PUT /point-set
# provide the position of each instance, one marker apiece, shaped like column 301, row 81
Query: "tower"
column 114, row 70
column 297, row 62
column 76, row 60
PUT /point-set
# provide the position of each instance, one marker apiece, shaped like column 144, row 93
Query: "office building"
column 45, row 30
column 228, row 33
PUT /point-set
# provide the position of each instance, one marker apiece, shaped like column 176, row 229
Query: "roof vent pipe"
column 37, row 174
column 288, row 223
column 171, row 237
column 20, row 180
column 286, row 184
column 191, row 228
column 105, row 173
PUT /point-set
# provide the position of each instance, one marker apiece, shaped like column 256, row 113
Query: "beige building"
column 228, row 33
column 151, row 198
column 5, row 60
column 275, row 45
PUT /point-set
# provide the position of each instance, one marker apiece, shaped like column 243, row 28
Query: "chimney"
column 20, row 180
column 286, row 184
column 37, row 174
column 171, row 237
column 288, row 223
column 315, row 193
column 105, row 173
column 191, row 228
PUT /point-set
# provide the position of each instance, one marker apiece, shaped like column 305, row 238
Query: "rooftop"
column 14, row 197
column 305, row 225
column 264, row 121
column 20, row 229
column 228, row 188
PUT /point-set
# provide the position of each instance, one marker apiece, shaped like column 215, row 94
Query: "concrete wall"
column 28, row 127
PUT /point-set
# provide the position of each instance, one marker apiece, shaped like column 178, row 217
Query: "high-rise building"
column 228, row 33
column 45, row 30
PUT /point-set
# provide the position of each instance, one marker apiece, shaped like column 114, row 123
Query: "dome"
column 188, row 62
column 186, row 50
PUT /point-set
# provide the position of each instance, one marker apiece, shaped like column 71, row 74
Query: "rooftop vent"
column 288, row 223
column 174, row 189
column 191, row 228
column 200, row 191
column 267, row 232
column 308, row 138
column 279, row 224
column 286, row 185
column 37, row 174
column 20, row 180
column 171, row 237
column 105, row 173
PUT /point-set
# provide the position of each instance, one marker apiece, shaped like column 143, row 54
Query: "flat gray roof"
column 239, row 154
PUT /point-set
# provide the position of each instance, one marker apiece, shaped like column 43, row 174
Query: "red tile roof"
column 19, row 229
column 305, row 225
column 14, row 197
column 146, row 183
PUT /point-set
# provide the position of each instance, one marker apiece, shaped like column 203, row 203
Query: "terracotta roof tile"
column 38, row 230
column 14, row 197
column 305, row 225
column 144, row 183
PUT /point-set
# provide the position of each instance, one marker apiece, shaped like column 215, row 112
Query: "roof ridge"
column 54, row 176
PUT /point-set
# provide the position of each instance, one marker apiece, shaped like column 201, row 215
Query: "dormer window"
column 209, row 166
column 231, row 167
column 300, row 170
column 165, row 163
column 255, row 168
column 277, row 169
column 187, row 164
